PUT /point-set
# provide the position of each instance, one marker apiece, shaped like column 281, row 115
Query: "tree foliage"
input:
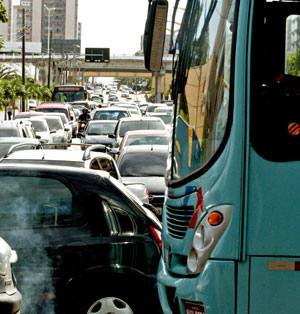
column 293, row 63
column 3, row 19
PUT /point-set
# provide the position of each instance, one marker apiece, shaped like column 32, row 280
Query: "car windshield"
column 143, row 164
column 101, row 128
column 54, row 124
column 140, row 125
column 167, row 118
column 146, row 140
column 110, row 115
column 39, row 126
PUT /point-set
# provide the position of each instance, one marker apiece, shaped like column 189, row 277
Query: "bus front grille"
column 178, row 219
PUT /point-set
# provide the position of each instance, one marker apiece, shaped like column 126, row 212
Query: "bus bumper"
column 211, row 292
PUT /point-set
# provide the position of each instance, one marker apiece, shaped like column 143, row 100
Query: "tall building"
column 42, row 16
column 293, row 33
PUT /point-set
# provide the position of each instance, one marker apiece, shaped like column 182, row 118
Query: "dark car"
column 80, row 239
column 146, row 164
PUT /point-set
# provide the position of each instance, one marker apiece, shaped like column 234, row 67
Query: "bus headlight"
column 206, row 237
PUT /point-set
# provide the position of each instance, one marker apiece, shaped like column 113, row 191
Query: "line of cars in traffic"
column 79, row 220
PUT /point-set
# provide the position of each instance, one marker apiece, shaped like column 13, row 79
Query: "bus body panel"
column 277, row 290
column 273, row 207
column 174, row 293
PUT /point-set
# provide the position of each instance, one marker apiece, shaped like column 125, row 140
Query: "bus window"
column 203, row 102
column 292, row 50
column 275, row 122
column 69, row 93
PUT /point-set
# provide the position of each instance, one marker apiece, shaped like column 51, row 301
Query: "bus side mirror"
column 154, row 35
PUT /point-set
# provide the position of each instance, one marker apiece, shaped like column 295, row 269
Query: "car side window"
column 126, row 224
column 34, row 202
column 95, row 165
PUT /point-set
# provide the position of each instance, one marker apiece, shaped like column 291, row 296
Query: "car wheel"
column 110, row 305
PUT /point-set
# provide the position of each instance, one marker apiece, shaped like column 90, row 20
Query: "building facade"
column 42, row 17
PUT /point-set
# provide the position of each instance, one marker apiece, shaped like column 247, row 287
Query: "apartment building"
column 42, row 16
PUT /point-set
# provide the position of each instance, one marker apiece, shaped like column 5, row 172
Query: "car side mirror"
column 111, row 135
column 114, row 151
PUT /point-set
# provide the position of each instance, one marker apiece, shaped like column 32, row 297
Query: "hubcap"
column 110, row 305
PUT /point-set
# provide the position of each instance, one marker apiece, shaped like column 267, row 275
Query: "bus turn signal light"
column 215, row 218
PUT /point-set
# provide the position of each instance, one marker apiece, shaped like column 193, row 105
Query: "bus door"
column 273, row 245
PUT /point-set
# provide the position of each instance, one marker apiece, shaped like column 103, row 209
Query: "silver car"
column 58, row 131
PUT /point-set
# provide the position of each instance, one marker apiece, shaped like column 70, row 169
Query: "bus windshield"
column 68, row 93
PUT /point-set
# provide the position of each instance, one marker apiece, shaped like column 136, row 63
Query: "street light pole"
column 48, row 44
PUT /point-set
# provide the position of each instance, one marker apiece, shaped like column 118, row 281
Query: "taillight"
column 157, row 237
column 148, row 196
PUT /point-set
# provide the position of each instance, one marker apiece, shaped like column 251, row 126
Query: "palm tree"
column 3, row 19
column 7, row 72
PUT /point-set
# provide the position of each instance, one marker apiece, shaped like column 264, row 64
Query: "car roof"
column 53, row 117
column 28, row 114
column 37, row 118
column 102, row 121
column 42, row 169
column 145, row 148
column 148, row 132
column 112, row 108
column 144, row 118
column 53, row 105
column 16, row 140
column 54, row 155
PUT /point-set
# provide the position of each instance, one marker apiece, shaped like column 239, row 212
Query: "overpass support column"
column 157, row 89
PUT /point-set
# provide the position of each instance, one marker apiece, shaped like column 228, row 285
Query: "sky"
column 114, row 24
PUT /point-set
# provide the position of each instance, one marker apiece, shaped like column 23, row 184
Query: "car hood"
column 98, row 139
column 154, row 185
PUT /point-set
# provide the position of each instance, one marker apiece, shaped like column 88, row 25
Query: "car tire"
column 123, row 294
column 110, row 299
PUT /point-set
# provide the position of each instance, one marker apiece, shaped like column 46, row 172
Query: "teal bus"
column 231, row 236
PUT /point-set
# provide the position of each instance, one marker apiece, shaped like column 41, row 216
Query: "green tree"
column 3, row 19
column 293, row 63
column 7, row 73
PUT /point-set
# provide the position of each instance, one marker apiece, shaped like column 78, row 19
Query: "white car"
column 67, row 126
column 57, row 130
column 41, row 130
column 32, row 104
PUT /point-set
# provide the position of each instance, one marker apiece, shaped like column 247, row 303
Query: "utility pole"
column 23, row 56
column 49, row 10
column 49, row 61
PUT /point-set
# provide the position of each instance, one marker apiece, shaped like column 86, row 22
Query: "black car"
column 146, row 164
column 80, row 239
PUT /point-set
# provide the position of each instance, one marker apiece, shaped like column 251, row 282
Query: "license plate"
column 194, row 308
